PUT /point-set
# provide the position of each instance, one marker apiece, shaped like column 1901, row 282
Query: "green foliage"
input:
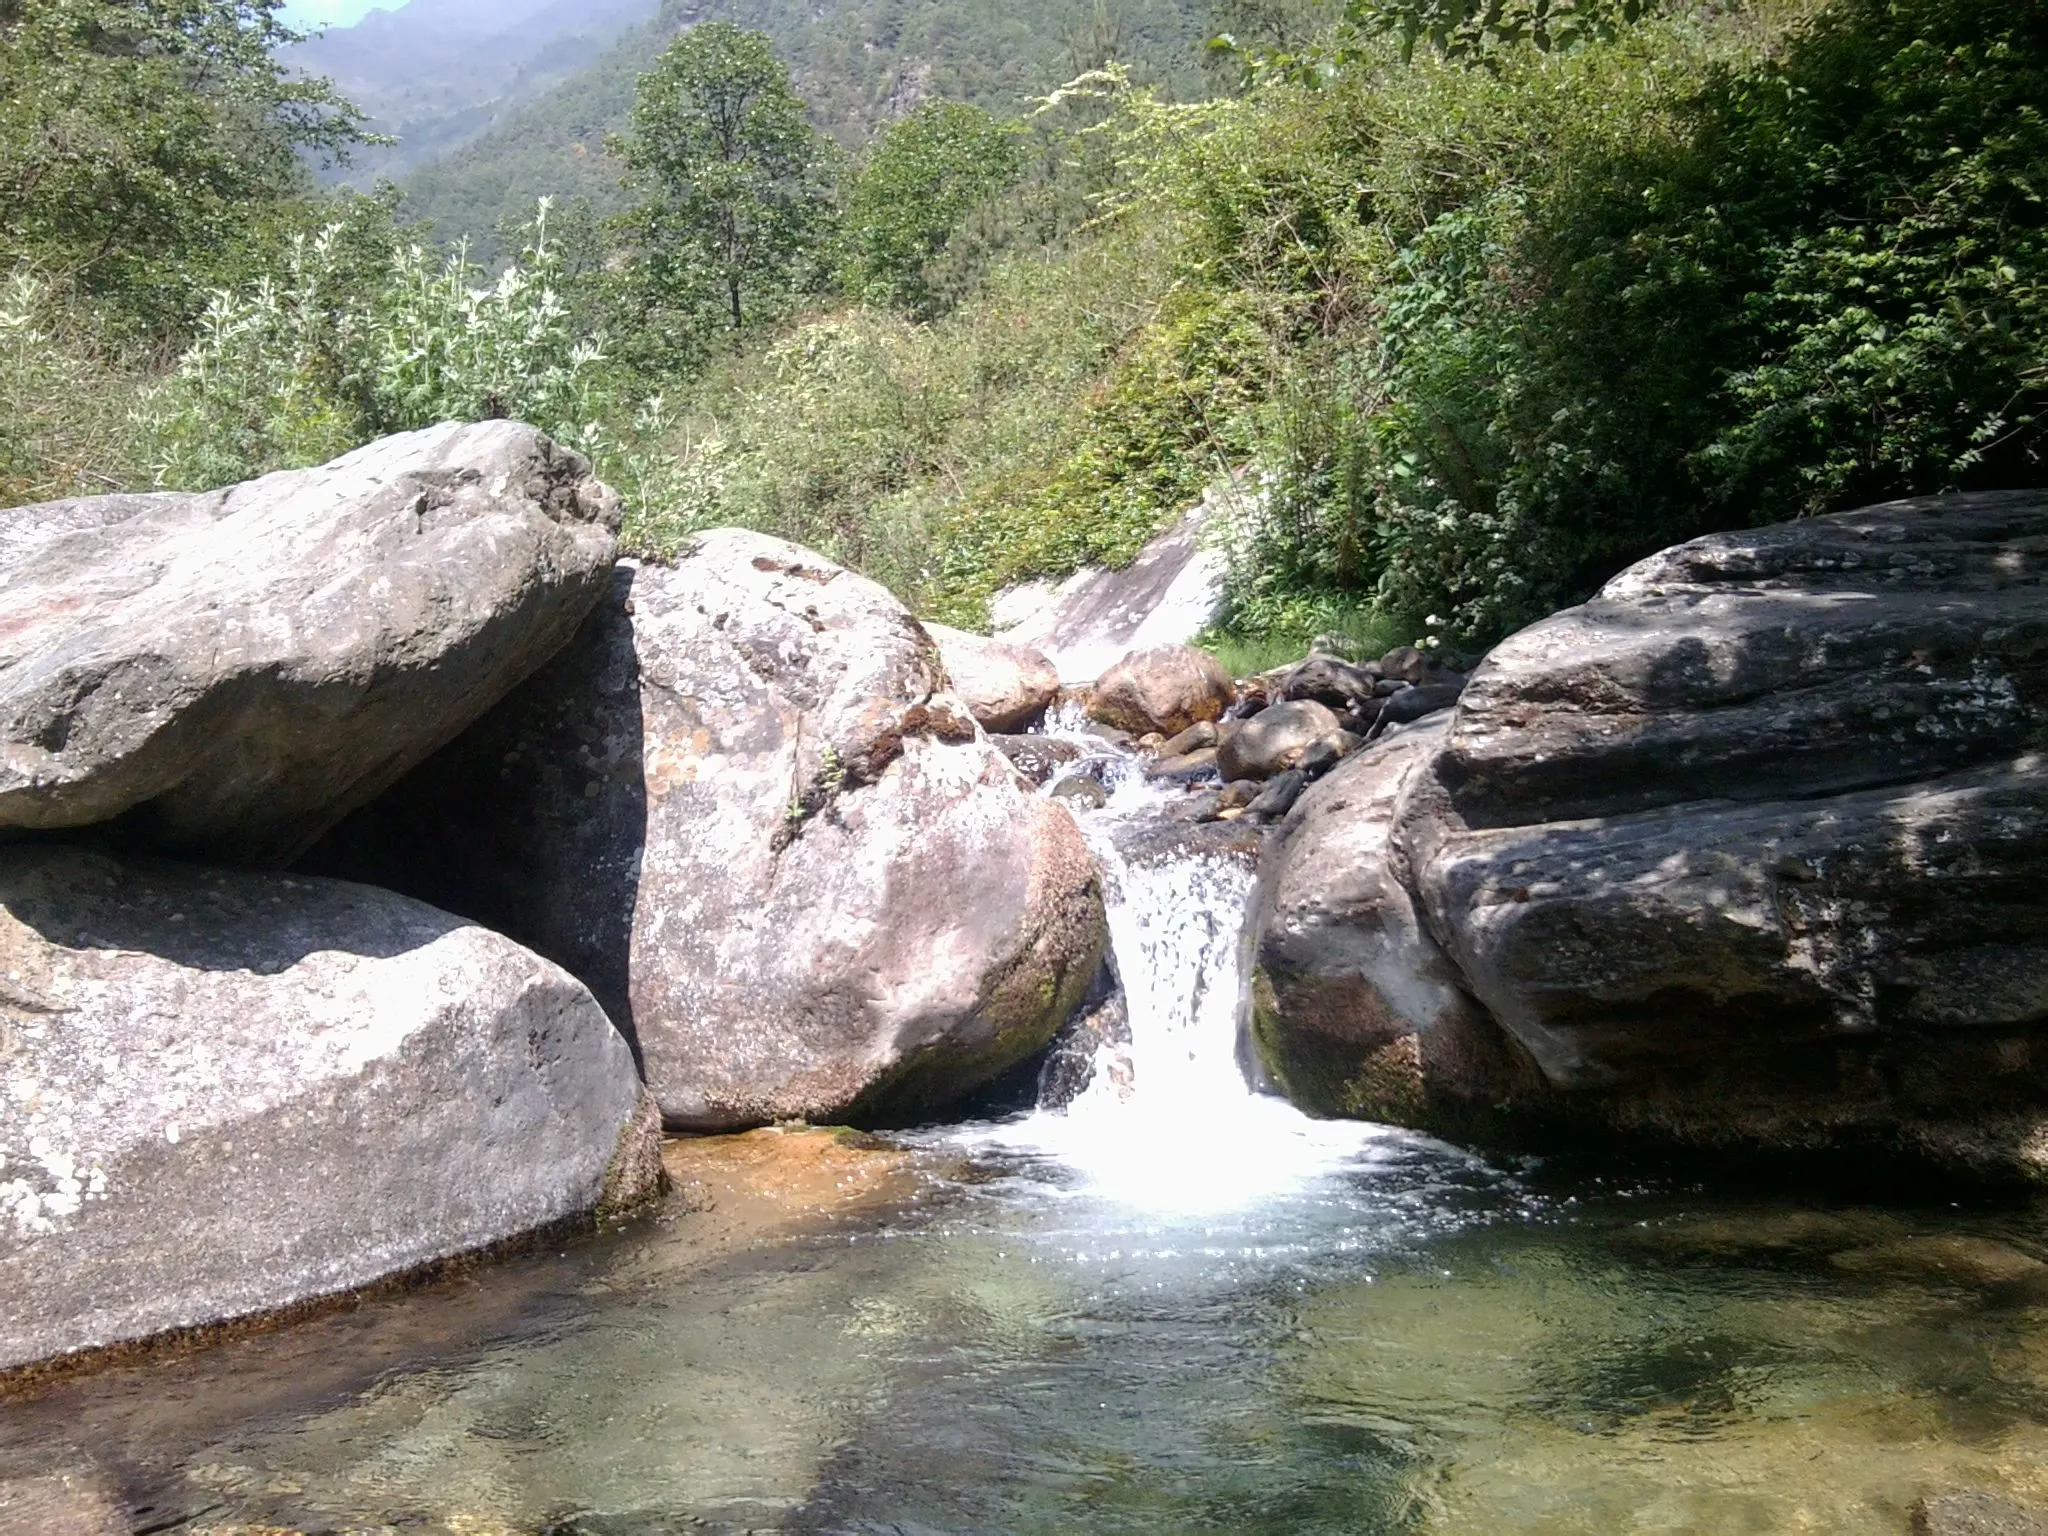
column 64, row 399
column 348, row 342
column 732, row 181
column 1468, row 28
column 1701, row 273
column 919, row 181
column 1895, row 218
column 144, row 142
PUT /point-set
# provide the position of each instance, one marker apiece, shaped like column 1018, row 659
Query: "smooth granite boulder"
column 1356, row 1010
column 231, row 1093
column 229, row 673
column 743, row 809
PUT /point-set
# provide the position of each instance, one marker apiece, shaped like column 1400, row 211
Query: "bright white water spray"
column 1169, row 1123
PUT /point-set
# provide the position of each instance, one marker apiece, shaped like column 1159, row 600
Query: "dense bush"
column 1702, row 274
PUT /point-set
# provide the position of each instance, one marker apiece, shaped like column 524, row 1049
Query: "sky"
column 331, row 13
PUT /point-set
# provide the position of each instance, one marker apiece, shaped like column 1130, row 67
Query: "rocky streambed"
column 383, row 866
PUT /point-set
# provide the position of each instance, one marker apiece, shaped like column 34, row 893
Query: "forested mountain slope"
column 433, row 74
column 856, row 62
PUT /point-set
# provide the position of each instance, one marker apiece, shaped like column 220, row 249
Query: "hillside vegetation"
column 1488, row 305
column 857, row 64
column 433, row 74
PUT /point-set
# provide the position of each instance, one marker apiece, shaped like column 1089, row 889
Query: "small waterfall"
column 1168, row 1121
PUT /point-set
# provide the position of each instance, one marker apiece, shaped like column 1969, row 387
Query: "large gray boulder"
column 231, row 672
column 1749, row 853
column 742, row 807
column 1356, row 1011
column 1006, row 687
column 230, row 1093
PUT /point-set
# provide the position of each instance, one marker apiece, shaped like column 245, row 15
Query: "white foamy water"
column 1169, row 1122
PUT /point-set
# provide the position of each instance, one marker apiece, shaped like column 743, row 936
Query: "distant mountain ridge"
column 435, row 74
column 857, row 62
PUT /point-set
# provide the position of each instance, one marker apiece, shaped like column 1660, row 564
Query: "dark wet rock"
column 1166, row 689
column 1413, row 703
column 1275, row 740
column 1201, row 734
column 231, row 1093
column 1206, row 807
column 1326, row 752
column 1004, row 686
column 1081, row 791
column 1238, row 793
column 1110, row 736
column 1974, row 1513
column 1038, row 758
column 1200, row 763
column 1355, row 1009
column 1950, row 1258
column 1750, row 854
column 1328, row 681
column 233, row 671
column 1098, row 1035
column 1278, row 797
column 1360, row 721
column 742, row 807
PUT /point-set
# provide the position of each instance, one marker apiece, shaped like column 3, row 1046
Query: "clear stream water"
column 1175, row 1306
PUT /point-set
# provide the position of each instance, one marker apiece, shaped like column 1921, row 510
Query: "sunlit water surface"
column 1177, row 1306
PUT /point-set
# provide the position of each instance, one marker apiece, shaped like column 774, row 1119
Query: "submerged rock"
column 232, row 672
column 1038, row 758
column 741, row 807
column 1004, row 686
column 67, row 1503
column 1975, row 1513
column 231, row 1093
column 1166, row 689
column 1750, row 853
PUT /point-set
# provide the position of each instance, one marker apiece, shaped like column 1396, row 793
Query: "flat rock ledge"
column 229, row 1095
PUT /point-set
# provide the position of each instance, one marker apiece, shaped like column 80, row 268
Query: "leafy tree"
column 733, row 200
column 143, row 140
column 923, row 176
